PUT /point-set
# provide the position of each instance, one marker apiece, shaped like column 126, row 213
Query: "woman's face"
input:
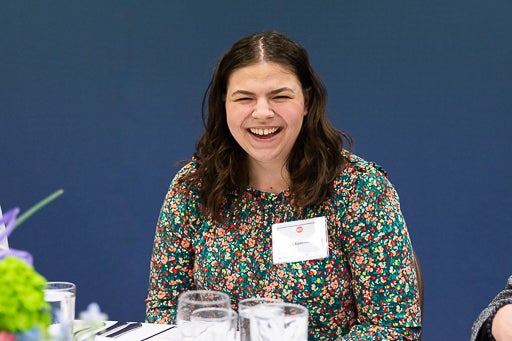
column 265, row 107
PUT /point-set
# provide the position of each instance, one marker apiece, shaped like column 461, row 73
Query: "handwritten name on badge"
column 301, row 240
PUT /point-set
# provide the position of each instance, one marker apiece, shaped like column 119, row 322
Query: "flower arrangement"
column 22, row 297
column 24, row 313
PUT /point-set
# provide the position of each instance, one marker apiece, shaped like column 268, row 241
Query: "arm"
column 172, row 261
column 380, row 253
column 502, row 323
column 496, row 318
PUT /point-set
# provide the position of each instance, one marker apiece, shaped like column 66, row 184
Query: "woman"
column 495, row 321
column 269, row 155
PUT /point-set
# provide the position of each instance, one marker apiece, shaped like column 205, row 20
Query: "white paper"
column 300, row 240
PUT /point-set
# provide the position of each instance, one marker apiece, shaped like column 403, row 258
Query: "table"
column 148, row 331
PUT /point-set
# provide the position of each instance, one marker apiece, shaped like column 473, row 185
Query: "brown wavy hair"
column 315, row 160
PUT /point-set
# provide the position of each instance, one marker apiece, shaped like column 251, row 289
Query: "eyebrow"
column 273, row 92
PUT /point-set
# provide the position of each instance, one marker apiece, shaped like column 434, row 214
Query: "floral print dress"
column 366, row 289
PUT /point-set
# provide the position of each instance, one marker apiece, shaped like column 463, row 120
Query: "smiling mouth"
column 268, row 132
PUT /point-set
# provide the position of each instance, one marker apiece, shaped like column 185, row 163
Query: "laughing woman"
column 269, row 155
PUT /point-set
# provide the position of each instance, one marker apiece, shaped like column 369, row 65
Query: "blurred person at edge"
column 495, row 321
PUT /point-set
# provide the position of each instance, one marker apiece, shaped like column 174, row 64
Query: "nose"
column 262, row 110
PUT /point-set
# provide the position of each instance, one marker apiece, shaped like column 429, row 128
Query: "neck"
column 269, row 179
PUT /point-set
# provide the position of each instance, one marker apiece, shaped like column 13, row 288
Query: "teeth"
column 263, row 132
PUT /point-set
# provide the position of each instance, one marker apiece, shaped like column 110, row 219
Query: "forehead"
column 262, row 72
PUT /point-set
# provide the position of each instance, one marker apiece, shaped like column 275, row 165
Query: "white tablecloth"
column 147, row 330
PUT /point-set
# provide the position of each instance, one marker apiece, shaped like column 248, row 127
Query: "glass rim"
column 226, row 317
column 301, row 309
column 257, row 301
column 185, row 296
column 288, row 309
column 62, row 286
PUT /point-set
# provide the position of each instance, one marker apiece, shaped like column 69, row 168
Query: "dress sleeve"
column 380, row 253
column 172, row 261
column 504, row 297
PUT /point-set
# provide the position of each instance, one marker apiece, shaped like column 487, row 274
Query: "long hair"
column 316, row 158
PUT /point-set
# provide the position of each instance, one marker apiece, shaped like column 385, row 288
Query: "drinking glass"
column 211, row 324
column 245, row 308
column 191, row 301
column 277, row 322
column 234, row 332
column 61, row 298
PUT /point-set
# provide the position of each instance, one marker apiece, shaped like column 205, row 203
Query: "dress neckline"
column 260, row 193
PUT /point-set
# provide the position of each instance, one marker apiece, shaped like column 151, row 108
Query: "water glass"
column 61, row 298
column 192, row 326
column 276, row 322
column 211, row 324
column 233, row 333
column 245, row 308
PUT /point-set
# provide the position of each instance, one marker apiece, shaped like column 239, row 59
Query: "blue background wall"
column 102, row 98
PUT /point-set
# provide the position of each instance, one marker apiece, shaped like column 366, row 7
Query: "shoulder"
column 505, row 293
column 184, row 179
column 187, row 169
column 184, row 190
column 186, row 172
column 363, row 178
column 359, row 169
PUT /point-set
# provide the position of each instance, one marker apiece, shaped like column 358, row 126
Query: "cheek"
column 235, row 116
column 234, row 124
column 231, row 119
column 294, row 115
column 229, row 116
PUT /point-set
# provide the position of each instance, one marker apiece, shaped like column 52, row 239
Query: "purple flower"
column 9, row 219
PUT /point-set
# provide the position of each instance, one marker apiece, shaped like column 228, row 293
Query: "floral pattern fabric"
column 366, row 289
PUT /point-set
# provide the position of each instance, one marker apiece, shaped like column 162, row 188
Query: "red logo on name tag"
column 299, row 229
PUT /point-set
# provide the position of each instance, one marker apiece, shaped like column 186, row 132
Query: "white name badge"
column 298, row 241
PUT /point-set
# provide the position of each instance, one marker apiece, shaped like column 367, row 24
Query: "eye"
column 242, row 99
column 281, row 97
